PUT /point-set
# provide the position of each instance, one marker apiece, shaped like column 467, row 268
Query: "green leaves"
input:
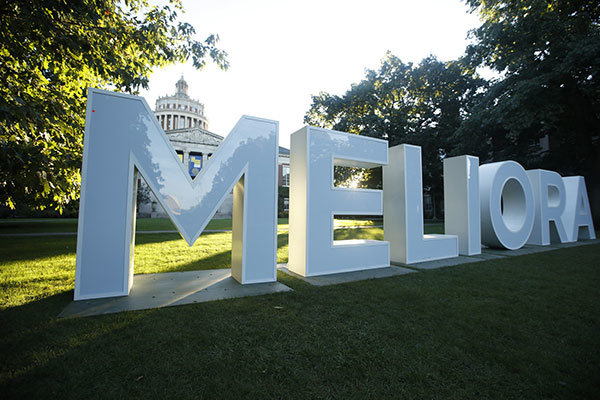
column 548, row 52
column 50, row 52
column 403, row 103
column 542, row 109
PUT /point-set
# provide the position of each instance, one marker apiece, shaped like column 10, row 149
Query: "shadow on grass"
column 35, row 248
column 215, row 260
column 520, row 327
column 61, row 225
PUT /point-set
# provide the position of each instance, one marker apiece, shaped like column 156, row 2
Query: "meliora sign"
column 498, row 205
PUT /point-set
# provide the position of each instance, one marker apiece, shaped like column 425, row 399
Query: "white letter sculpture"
column 461, row 203
column 506, row 205
column 121, row 136
column 403, row 211
column 550, row 202
column 578, row 216
column 314, row 201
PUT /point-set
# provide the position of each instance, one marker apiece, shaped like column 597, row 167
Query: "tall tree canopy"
column 403, row 103
column 50, row 52
column 547, row 53
column 542, row 109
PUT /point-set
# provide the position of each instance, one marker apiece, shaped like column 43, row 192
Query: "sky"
column 282, row 52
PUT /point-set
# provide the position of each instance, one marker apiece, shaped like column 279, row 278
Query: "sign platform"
column 172, row 289
column 344, row 277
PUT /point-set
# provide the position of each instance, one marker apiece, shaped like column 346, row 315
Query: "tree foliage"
column 403, row 103
column 548, row 55
column 542, row 109
column 50, row 52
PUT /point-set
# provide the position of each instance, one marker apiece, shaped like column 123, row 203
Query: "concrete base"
column 527, row 249
column 490, row 253
column 172, row 289
column 487, row 256
column 344, row 277
column 574, row 244
column 176, row 288
column 446, row 262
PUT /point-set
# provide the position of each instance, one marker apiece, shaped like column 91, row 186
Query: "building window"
column 428, row 206
column 195, row 163
column 285, row 175
column 180, row 154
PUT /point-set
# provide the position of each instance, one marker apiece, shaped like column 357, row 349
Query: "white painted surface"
column 578, row 215
column 461, row 203
column 314, row 201
column 403, row 211
column 507, row 205
column 122, row 135
column 550, row 201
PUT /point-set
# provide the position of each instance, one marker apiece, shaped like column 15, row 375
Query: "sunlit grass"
column 33, row 268
column 12, row 226
column 168, row 252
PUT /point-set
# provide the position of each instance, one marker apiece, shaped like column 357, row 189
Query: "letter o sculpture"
column 507, row 205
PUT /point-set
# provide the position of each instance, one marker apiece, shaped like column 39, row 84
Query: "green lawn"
column 522, row 327
column 9, row 226
column 70, row 225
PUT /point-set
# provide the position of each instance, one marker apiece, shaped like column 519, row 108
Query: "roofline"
column 183, row 130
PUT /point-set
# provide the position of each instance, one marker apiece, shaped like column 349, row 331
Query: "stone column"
column 186, row 159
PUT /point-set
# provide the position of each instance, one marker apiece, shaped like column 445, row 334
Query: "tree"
column 547, row 54
column 50, row 52
column 422, row 105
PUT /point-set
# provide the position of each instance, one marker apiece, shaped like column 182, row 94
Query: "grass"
column 12, row 226
column 522, row 327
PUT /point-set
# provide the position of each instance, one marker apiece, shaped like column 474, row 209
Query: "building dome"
column 179, row 111
column 182, row 88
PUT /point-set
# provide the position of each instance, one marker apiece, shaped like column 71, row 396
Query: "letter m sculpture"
column 122, row 136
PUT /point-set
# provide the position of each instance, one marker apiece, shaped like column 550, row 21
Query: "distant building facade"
column 185, row 124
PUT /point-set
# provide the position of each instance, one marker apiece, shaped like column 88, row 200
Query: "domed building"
column 179, row 111
column 185, row 124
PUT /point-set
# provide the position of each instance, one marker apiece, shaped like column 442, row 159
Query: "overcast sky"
column 283, row 52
